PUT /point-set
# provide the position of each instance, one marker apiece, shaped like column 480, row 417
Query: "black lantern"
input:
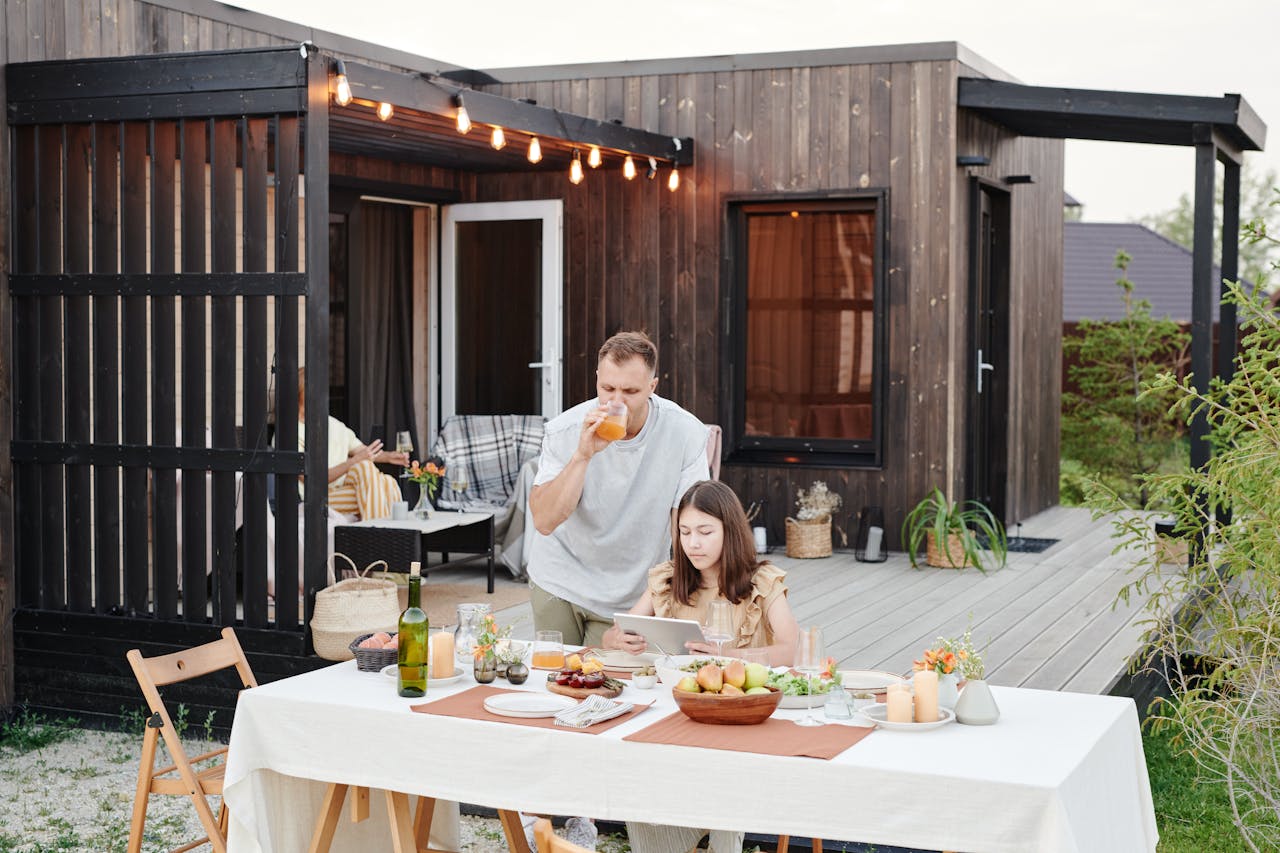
column 869, row 546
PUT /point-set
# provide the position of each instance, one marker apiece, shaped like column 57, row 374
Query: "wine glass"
column 458, row 481
column 404, row 444
column 718, row 627
column 810, row 651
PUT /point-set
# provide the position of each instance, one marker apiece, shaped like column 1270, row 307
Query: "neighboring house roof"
column 1160, row 270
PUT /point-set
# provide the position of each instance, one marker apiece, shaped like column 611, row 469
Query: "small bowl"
column 746, row 710
column 644, row 682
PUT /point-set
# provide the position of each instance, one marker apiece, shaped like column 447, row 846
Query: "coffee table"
column 400, row 542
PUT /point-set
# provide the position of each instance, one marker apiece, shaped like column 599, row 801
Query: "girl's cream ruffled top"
column 749, row 614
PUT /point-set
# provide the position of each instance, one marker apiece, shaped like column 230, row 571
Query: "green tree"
column 1109, row 427
column 1259, row 204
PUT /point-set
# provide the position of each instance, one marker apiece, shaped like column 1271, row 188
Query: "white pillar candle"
column 762, row 540
column 874, row 536
column 898, row 702
column 926, row 688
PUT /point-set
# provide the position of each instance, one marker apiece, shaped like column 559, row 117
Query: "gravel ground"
column 77, row 795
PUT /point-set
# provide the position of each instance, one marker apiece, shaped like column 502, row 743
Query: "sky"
column 1172, row 46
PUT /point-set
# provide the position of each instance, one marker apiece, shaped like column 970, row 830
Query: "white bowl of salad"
column 672, row 669
column 795, row 686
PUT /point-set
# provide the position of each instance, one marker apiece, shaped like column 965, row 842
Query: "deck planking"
column 1050, row 621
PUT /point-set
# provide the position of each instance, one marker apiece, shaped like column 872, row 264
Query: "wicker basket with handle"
column 951, row 558
column 809, row 538
column 349, row 608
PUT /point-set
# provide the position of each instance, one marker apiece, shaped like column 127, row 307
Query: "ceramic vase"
column 976, row 706
column 948, row 690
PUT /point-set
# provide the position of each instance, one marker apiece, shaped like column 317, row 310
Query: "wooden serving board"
column 583, row 692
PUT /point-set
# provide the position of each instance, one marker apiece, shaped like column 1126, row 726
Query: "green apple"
column 756, row 691
column 757, row 675
column 689, row 684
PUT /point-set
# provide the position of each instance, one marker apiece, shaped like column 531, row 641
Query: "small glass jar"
column 838, row 705
column 464, row 635
column 486, row 669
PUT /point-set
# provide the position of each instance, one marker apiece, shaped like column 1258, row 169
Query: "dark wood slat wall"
column 640, row 257
column 164, row 348
column 78, row 366
column 135, row 385
column 1035, row 350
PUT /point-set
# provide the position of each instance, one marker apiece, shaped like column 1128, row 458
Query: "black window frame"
column 800, row 451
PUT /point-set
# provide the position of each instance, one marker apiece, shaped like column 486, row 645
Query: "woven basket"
column 372, row 660
column 808, row 538
column 350, row 608
column 952, row 558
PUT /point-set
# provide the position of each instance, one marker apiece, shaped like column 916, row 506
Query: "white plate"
column 794, row 703
column 458, row 672
column 528, row 704
column 876, row 714
column 868, row 680
column 618, row 659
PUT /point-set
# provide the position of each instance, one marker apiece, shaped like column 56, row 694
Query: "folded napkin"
column 594, row 709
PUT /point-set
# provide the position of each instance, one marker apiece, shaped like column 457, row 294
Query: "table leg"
column 327, row 823
column 422, row 822
column 513, row 829
column 359, row 804
column 491, row 544
column 401, row 826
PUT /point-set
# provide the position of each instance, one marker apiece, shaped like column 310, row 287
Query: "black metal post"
column 1202, row 291
column 1230, row 268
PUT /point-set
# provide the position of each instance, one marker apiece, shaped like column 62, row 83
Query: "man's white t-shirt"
column 600, row 557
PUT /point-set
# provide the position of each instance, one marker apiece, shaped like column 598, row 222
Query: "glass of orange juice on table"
column 548, row 650
column 614, row 425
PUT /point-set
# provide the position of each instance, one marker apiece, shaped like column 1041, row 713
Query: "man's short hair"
column 625, row 346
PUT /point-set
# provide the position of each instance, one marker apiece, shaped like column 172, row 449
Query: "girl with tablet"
column 715, row 558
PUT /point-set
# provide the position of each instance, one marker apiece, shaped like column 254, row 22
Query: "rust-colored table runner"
column 469, row 705
column 772, row 737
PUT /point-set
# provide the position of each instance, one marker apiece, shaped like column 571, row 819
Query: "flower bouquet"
column 485, row 649
column 428, row 478
column 809, row 533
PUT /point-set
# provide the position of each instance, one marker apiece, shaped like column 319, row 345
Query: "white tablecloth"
column 1058, row 772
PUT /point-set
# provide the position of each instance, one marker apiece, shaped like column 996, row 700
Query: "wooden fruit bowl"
column 728, row 710
column 583, row 692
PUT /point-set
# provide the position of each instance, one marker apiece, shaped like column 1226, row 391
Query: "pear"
column 689, row 684
column 731, row 690
column 711, row 678
column 757, row 674
column 756, row 691
column 735, row 673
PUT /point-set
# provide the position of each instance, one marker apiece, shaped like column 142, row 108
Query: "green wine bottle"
column 412, row 659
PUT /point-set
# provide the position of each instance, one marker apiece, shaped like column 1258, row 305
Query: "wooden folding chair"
column 549, row 842
column 160, row 671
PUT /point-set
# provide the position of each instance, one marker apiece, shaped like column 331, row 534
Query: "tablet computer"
column 664, row 635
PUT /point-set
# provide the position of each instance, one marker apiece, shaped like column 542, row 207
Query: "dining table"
column 1057, row 772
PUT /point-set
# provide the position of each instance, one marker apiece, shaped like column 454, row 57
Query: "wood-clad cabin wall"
column 1035, row 295
column 638, row 256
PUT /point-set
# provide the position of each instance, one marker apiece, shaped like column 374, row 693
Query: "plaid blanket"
column 489, row 450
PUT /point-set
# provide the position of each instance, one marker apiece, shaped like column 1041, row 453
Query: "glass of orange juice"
column 548, row 650
column 614, row 425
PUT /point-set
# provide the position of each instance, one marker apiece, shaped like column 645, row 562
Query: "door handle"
column 982, row 365
column 541, row 364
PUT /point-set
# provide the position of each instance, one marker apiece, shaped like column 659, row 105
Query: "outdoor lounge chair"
column 160, row 671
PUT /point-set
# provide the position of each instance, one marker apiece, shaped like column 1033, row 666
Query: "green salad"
column 797, row 684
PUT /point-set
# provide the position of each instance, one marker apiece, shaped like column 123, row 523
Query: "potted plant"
column 809, row 533
column 955, row 534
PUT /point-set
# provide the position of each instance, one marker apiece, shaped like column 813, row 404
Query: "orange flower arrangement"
column 428, row 475
column 953, row 655
column 488, row 637
column 940, row 660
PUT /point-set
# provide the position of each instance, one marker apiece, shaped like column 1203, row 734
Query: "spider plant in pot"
column 956, row 534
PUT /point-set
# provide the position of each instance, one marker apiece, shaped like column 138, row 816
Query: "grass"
column 1193, row 813
column 29, row 731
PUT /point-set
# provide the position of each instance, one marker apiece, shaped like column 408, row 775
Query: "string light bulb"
column 498, row 139
column 653, row 168
column 385, row 110
column 593, row 157
column 628, row 168
column 575, row 169
column 464, row 120
column 341, row 85
column 673, row 182
column 535, row 150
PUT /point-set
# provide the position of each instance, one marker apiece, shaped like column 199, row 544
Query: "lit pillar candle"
column 874, row 537
column 441, row 654
column 926, row 686
column 898, row 704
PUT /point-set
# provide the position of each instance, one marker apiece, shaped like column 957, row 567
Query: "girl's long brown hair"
column 738, row 561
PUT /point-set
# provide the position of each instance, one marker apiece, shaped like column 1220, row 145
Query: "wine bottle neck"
column 415, row 591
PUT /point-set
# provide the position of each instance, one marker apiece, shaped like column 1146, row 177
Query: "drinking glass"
column 458, row 481
column 614, row 425
column 404, row 444
column 718, row 627
column 810, row 651
column 548, row 650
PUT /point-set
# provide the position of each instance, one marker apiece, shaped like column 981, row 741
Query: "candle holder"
column 869, row 544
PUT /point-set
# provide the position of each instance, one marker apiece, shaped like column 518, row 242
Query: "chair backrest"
column 549, row 842
column 489, row 450
column 163, row 670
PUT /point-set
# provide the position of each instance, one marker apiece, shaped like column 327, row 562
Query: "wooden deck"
column 1050, row 620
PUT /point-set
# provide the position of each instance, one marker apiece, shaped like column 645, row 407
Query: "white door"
column 501, row 303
